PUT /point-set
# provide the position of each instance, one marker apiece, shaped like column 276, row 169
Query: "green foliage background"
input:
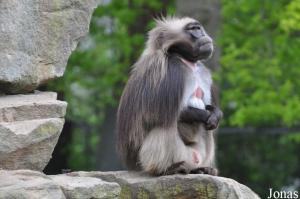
column 258, row 79
column 260, row 62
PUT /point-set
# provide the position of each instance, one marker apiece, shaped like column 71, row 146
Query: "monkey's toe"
column 205, row 170
column 176, row 168
column 197, row 171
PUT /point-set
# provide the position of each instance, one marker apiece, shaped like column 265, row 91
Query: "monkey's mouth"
column 200, row 52
column 192, row 53
column 206, row 47
column 205, row 50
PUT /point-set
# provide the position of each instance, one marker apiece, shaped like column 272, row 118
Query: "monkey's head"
column 184, row 37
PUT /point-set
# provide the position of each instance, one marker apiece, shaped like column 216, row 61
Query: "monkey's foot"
column 205, row 170
column 176, row 168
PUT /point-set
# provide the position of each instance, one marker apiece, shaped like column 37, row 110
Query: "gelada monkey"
column 167, row 112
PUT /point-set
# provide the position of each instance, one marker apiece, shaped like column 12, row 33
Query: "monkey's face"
column 196, row 44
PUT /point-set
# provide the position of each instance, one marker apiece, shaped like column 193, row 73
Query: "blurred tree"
column 259, row 79
column 259, row 160
column 260, row 75
column 208, row 14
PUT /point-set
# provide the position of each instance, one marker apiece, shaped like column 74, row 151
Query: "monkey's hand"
column 194, row 115
column 210, row 116
column 214, row 117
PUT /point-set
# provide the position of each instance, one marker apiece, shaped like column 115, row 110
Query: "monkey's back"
column 146, row 104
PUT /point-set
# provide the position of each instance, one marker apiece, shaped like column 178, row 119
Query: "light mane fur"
column 169, row 29
column 166, row 32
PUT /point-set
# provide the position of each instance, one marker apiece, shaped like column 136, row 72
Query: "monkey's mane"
column 166, row 32
column 152, row 96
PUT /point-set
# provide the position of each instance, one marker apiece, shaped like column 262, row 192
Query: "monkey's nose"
column 197, row 33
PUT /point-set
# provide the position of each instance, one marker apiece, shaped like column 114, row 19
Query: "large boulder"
column 30, row 126
column 37, row 38
column 139, row 185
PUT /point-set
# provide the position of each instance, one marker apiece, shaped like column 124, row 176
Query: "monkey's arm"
column 215, row 112
column 194, row 115
column 210, row 116
column 214, row 117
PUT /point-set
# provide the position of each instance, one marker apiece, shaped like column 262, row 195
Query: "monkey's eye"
column 195, row 28
column 195, row 31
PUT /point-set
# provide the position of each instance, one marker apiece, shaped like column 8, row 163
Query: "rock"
column 86, row 187
column 26, row 184
column 37, row 38
column 30, row 126
column 137, row 185
column 28, row 144
column 40, row 105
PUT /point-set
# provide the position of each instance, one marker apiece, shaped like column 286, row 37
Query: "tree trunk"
column 208, row 13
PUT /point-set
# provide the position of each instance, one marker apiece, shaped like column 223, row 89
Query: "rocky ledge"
column 27, row 184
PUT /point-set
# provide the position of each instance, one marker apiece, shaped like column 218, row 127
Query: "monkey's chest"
column 198, row 89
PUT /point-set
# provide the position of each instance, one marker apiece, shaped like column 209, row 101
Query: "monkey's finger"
column 212, row 123
column 210, row 107
column 197, row 171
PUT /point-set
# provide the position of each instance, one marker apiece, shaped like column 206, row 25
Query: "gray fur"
column 150, row 138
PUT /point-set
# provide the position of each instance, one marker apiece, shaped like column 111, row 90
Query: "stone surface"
column 40, row 105
column 30, row 126
column 137, row 185
column 86, row 187
column 26, row 184
column 37, row 38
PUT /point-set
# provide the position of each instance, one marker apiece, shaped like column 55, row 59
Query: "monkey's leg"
column 163, row 150
column 205, row 170
column 184, row 167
